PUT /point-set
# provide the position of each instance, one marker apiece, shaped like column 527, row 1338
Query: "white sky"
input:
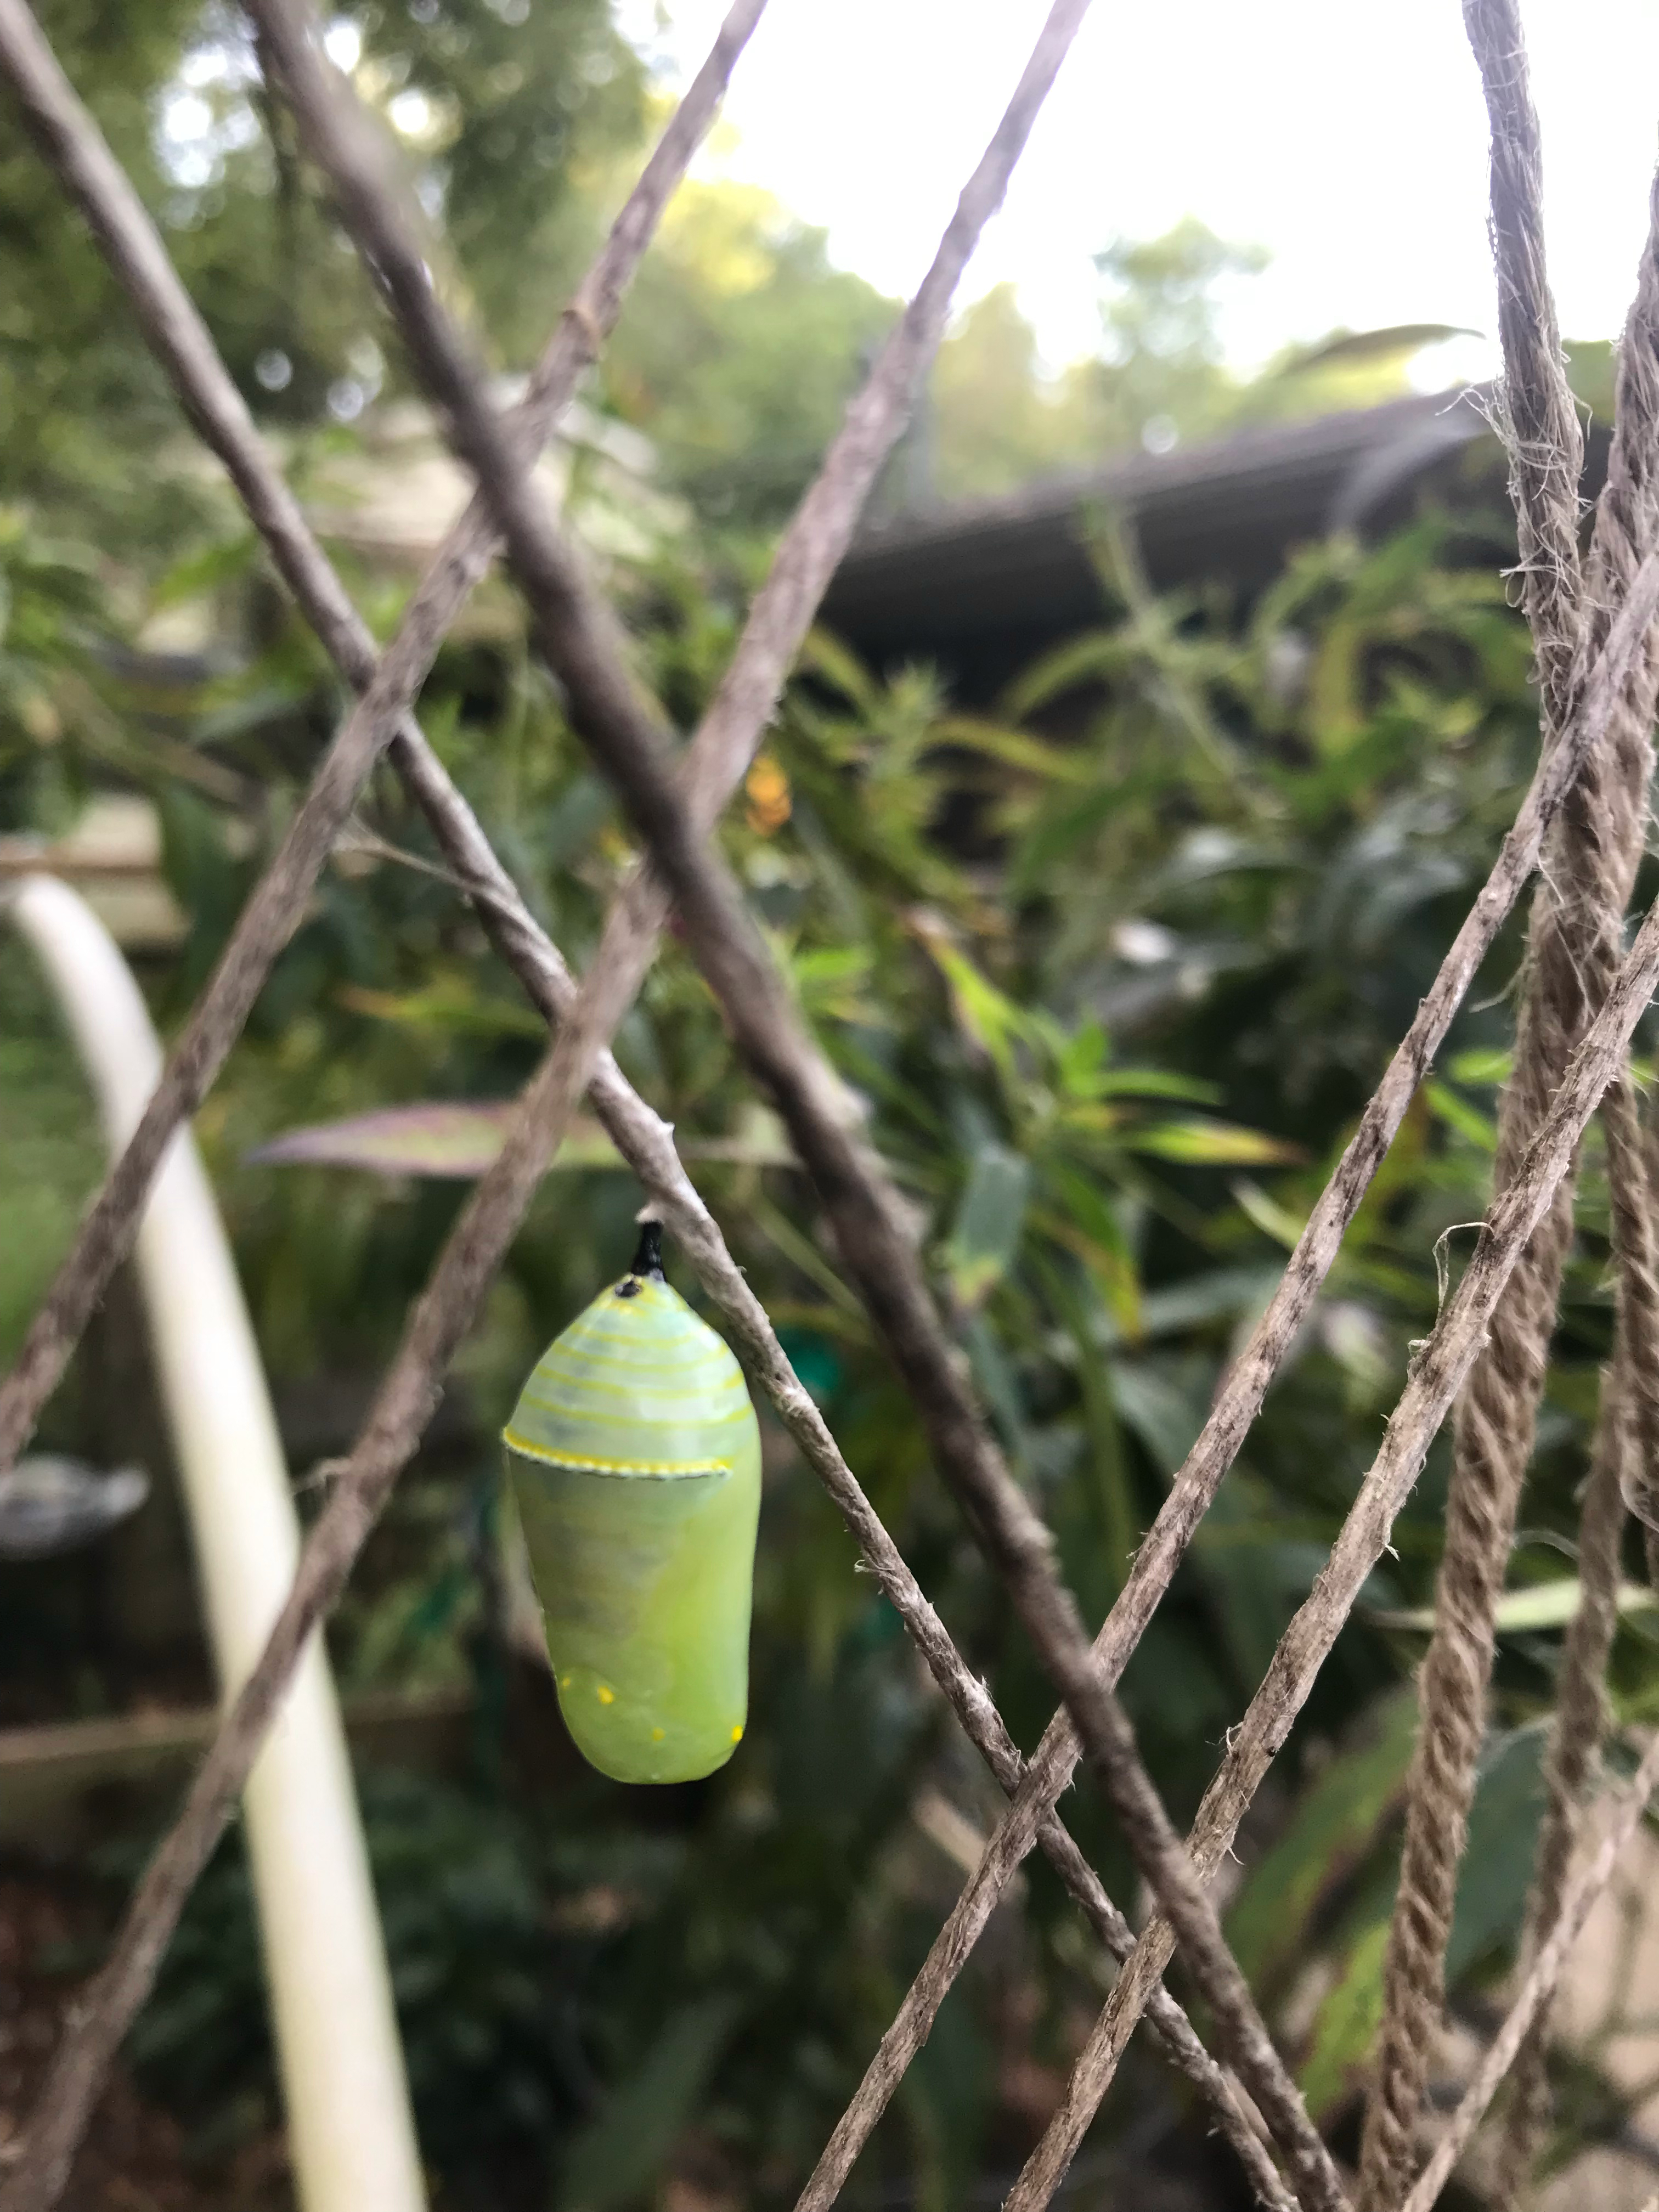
column 1347, row 139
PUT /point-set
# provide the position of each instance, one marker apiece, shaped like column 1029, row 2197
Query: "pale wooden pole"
column 351, row 2134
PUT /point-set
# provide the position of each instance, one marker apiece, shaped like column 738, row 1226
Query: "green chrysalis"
column 634, row 1461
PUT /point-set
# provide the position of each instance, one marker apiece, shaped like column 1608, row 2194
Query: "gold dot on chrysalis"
column 737, row 1733
column 657, row 1734
column 607, row 1695
column 565, row 1680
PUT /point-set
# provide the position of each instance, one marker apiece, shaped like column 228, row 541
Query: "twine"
column 1575, row 944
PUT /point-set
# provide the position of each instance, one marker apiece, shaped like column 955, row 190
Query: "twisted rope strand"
column 1540, row 1984
column 579, row 636
column 809, row 551
column 463, row 841
column 1575, row 943
column 1573, row 1755
column 1438, row 1371
column 75, row 149
column 1623, row 1457
column 579, row 1047
column 1053, row 1763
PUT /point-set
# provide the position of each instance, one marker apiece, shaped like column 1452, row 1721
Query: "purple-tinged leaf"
column 459, row 1139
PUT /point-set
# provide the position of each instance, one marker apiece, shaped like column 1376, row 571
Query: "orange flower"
column 767, row 788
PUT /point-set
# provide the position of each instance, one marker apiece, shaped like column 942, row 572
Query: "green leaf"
column 1154, row 1083
column 451, row 1008
column 1457, row 1113
column 1164, row 1400
column 1332, row 1831
column 1203, row 1143
column 831, row 982
column 200, row 573
column 995, row 1374
column 985, row 1236
column 990, row 1018
column 1384, row 345
column 431, row 1138
column 460, row 1140
column 1346, row 2025
column 1014, row 749
column 826, row 656
column 1529, row 1612
column 621, row 2150
column 1481, row 1066
column 1496, row 1868
column 1221, row 1295
column 1087, row 659
column 1080, row 1062
column 1271, row 1219
column 1090, row 1226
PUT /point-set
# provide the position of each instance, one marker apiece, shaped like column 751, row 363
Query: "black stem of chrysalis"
column 647, row 1258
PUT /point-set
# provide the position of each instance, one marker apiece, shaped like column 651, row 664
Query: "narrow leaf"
column 623, row 2148
column 1527, row 1612
column 458, row 1140
column 985, row 1236
column 1203, row 1143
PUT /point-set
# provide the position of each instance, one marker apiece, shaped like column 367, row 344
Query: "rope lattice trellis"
column 1596, row 657
column 1573, row 948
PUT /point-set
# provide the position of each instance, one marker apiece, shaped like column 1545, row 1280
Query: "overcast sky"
column 1349, row 140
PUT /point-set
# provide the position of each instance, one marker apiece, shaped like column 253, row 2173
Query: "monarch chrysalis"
column 634, row 1461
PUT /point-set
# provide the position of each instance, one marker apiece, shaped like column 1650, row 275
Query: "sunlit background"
column 1347, row 142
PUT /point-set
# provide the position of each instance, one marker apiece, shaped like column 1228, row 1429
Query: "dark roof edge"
column 1401, row 434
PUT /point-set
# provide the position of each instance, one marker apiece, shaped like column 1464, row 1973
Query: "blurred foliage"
column 1159, row 378
column 739, row 347
column 498, row 110
column 519, row 129
column 1114, row 965
column 1113, row 968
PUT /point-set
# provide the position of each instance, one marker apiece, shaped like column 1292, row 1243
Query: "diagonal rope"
column 1120, row 1770
column 75, row 148
column 740, row 977
column 1437, row 1373
column 402, row 1398
column 577, row 634
column 1539, row 1984
column 1053, row 1763
column 641, row 1137
column 1574, row 945
column 1498, row 892
column 1633, row 457
column 1574, row 1751
column 461, row 855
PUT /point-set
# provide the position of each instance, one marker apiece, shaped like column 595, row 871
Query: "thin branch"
column 645, row 1142
column 72, row 144
column 579, row 635
column 811, row 551
column 1539, row 1986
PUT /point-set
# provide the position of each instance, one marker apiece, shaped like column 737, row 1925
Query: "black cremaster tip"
column 646, row 1263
